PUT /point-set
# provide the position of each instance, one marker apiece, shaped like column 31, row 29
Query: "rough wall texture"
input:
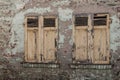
column 12, row 14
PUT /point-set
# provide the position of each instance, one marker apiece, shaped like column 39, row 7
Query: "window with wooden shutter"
column 40, row 39
column 80, row 38
column 91, row 40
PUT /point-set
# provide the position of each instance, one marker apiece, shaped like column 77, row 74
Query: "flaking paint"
column 114, row 33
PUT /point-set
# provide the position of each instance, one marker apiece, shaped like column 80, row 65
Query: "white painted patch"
column 61, row 40
column 70, row 27
column 65, row 14
column 114, row 32
column 18, row 27
column 19, row 3
column 19, row 6
column 71, row 41
column 3, row 2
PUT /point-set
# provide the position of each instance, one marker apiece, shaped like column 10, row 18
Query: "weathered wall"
column 12, row 14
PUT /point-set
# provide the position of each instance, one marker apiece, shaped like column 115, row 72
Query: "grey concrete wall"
column 12, row 14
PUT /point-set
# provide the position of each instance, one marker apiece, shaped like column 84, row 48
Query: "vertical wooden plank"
column 56, row 37
column 108, row 38
column 49, row 45
column 46, row 44
column 81, row 45
column 25, row 43
column 90, row 38
column 73, row 34
column 103, row 46
column 40, row 39
column 31, row 46
column 36, row 33
column 100, row 51
column 97, row 45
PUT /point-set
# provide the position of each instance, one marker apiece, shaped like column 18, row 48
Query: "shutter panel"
column 81, row 44
column 81, row 38
column 31, row 39
column 49, row 33
column 32, row 45
column 101, row 40
column 49, row 45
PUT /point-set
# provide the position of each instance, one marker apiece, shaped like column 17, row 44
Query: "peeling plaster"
column 71, row 42
column 18, row 28
column 61, row 3
column 114, row 32
column 4, row 2
column 65, row 14
column 61, row 40
column 70, row 27
column 19, row 3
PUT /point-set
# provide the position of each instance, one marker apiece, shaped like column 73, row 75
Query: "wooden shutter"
column 31, row 39
column 80, row 38
column 101, row 38
column 50, row 34
column 40, row 39
column 91, row 39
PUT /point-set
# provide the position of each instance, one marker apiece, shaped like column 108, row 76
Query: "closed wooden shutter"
column 91, row 39
column 101, row 38
column 40, row 39
column 49, row 31
column 80, row 38
column 31, row 39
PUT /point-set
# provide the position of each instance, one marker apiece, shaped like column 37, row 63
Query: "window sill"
column 91, row 66
column 40, row 65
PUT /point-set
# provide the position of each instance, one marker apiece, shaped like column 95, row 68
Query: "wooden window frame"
column 40, row 28
column 87, row 28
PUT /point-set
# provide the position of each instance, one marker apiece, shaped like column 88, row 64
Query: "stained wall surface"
column 12, row 15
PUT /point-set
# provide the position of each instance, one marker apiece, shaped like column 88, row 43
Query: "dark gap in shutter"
column 100, row 20
column 49, row 22
column 81, row 21
column 32, row 22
